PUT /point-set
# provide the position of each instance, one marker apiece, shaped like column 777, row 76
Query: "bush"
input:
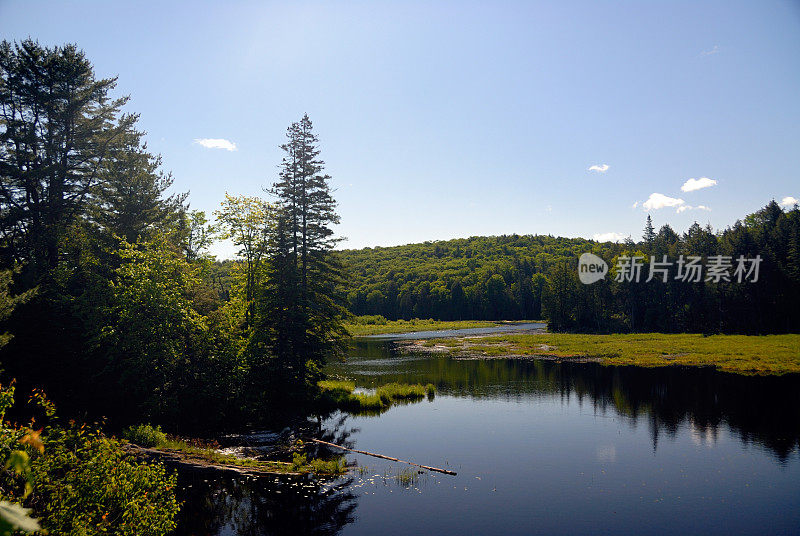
column 81, row 483
column 145, row 435
column 86, row 484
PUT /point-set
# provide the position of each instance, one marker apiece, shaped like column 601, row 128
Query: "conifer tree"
column 649, row 232
column 56, row 125
column 302, row 308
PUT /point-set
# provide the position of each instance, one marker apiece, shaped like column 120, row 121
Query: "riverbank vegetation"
column 359, row 326
column 740, row 354
column 152, row 441
column 111, row 304
column 341, row 395
column 75, row 479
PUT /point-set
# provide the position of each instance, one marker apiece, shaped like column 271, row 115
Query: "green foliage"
column 57, row 127
column 152, row 327
column 337, row 385
column 145, row 435
column 79, row 482
column 516, row 277
column 99, row 488
column 397, row 391
column 478, row 278
column 247, row 221
column 298, row 309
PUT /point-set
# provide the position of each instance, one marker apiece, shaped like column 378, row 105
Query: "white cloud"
column 635, row 204
column 684, row 208
column 609, row 237
column 600, row 168
column 657, row 201
column 697, row 184
column 216, row 143
column 789, row 201
column 710, row 52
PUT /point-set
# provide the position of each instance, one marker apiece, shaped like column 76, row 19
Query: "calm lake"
column 540, row 448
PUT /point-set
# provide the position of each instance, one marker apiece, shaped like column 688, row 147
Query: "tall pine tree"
column 301, row 308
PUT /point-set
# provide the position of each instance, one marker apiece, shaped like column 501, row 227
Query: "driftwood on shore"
column 429, row 468
column 196, row 463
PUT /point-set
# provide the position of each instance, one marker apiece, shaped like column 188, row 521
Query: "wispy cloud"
column 789, row 201
column 697, row 184
column 635, row 204
column 711, row 51
column 599, row 168
column 684, row 208
column 216, row 143
column 657, row 201
column 609, row 237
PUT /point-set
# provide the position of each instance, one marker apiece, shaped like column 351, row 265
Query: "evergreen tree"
column 131, row 200
column 56, row 125
column 302, row 306
column 649, row 232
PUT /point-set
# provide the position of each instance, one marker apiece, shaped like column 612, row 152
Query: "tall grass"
column 340, row 394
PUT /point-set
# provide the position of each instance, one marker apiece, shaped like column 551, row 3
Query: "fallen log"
column 429, row 468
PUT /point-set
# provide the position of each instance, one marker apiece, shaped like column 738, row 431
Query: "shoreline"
column 766, row 355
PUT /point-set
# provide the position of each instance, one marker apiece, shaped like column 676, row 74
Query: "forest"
column 536, row 277
column 113, row 312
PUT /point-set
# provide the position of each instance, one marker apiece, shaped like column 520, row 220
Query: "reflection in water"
column 540, row 447
column 220, row 505
column 764, row 410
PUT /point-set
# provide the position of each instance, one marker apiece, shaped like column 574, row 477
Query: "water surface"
column 540, row 448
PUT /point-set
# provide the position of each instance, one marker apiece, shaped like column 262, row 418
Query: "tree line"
column 536, row 277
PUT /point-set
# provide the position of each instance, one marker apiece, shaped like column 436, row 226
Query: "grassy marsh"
column 741, row 354
column 341, row 395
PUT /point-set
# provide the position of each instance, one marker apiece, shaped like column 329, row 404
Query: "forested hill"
column 481, row 277
column 535, row 277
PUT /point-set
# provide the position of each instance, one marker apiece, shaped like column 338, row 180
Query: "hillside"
column 495, row 277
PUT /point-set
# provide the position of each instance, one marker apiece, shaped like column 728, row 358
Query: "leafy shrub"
column 86, row 484
column 145, row 435
column 81, row 483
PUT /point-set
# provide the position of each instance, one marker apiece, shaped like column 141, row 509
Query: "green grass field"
column 742, row 354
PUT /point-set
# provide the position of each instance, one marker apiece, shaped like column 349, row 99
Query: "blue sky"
column 452, row 119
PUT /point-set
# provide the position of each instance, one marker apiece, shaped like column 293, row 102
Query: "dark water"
column 540, row 448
